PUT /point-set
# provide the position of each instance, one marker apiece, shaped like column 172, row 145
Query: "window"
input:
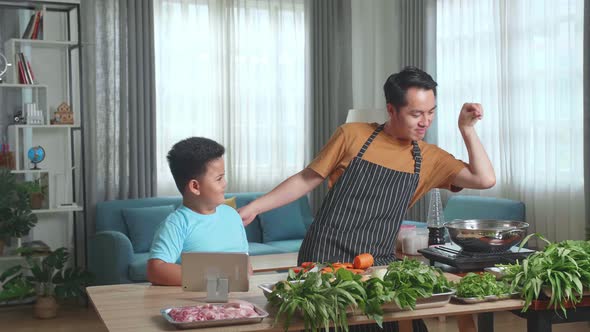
column 233, row 71
column 523, row 61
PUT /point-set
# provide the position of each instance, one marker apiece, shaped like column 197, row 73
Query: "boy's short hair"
column 188, row 159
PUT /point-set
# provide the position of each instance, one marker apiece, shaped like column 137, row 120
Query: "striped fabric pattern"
column 362, row 212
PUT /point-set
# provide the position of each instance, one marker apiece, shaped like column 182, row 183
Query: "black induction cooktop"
column 464, row 261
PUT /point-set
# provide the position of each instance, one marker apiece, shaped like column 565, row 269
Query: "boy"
column 201, row 223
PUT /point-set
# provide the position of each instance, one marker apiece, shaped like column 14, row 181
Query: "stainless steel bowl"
column 486, row 235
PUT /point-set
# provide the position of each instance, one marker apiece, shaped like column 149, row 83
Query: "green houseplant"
column 53, row 280
column 36, row 192
column 16, row 218
column 14, row 285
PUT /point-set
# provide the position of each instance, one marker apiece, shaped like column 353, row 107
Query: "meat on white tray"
column 209, row 312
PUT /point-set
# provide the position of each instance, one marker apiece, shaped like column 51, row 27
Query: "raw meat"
column 209, row 312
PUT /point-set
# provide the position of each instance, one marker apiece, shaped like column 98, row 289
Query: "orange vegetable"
column 363, row 261
column 307, row 265
column 357, row 271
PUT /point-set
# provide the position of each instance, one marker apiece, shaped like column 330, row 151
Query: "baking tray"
column 434, row 301
column 210, row 323
column 268, row 287
column 498, row 271
column 489, row 298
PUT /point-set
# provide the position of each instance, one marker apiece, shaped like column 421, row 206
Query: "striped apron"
column 362, row 213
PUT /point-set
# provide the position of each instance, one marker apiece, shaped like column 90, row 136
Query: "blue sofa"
column 119, row 250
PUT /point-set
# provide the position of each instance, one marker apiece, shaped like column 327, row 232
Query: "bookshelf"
column 55, row 62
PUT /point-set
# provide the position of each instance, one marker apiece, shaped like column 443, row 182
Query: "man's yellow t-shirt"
column 438, row 169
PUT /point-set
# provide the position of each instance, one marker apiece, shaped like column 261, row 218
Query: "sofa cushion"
column 138, row 267
column 231, row 202
column 253, row 230
column 282, row 223
column 255, row 249
column 286, row 245
column 142, row 224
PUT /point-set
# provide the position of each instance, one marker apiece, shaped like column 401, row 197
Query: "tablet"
column 199, row 267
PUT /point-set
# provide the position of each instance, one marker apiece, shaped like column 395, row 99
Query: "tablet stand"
column 217, row 289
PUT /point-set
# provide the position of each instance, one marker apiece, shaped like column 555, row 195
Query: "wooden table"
column 275, row 262
column 136, row 307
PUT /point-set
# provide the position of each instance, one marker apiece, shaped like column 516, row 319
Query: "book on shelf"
column 34, row 29
column 26, row 75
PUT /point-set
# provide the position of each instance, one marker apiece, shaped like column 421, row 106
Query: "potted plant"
column 36, row 192
column 16, row 218
column 53, row 280
column 14, row 285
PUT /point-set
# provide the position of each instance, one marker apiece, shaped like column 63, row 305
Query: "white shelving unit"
column 55, row 61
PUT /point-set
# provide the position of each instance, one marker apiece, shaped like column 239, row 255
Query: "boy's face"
column 212, row 183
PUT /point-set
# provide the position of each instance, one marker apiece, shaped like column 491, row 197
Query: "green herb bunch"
column 321, row 298
column 480, row 285
column 411, row 279
column 325, row 298
column 563, row 267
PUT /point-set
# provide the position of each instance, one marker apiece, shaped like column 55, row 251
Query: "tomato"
column 307, row 265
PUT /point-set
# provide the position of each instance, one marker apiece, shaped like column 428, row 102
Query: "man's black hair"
column 397, row 85
column 188, row 159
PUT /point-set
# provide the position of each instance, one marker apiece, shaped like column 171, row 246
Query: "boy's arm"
column 163, row 274
column 285, row 193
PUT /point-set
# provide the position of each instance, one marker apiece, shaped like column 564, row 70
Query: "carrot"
column 357, row 271
column 363, row 261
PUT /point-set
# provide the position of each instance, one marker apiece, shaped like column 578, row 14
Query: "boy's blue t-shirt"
column 188, row 231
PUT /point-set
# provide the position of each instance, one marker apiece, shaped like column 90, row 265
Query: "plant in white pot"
column 16, row 218
column 53, row 280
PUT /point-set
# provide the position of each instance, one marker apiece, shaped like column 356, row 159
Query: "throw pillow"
column 142, row 224
column 283, row 223
column 231, row 202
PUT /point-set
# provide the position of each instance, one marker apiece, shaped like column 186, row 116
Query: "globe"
column 36, row 155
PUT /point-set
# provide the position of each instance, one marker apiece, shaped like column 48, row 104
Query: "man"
column 376, row 172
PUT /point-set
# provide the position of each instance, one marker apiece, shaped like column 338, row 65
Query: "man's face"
column 212, row 183
column 413, row 119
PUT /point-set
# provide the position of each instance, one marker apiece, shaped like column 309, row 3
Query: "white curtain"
column 232, row 71
column 522, row 59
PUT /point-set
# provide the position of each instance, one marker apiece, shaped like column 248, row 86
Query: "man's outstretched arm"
column 285, row 193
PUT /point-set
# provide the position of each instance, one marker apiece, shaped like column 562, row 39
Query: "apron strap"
column 415, row 150
column 417, row 157
column 369, row 141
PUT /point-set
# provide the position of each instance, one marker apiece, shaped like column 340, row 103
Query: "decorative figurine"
column 19, row 118
column 63, row 115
